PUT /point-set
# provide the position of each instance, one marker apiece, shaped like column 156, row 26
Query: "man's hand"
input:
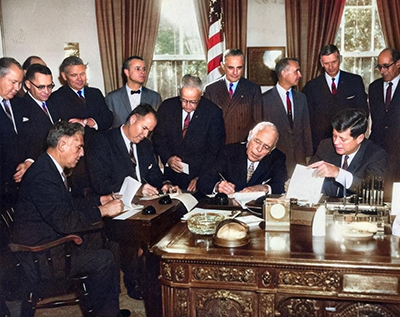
column 255, row 188
column 193, row 185
column 226, row 188
column 112, row 208
column 168, row 188
column 324, row 169
column 174, row 162
column 148, row 190
column 83, row 122
column 20, row 170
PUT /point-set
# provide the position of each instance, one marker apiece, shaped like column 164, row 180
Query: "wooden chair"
column 46, row 285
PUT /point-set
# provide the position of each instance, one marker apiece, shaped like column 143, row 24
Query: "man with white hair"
column 253, row 166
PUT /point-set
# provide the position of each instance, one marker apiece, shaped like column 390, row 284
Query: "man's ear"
column 126, row 72
column 360, row 138
column 64, row 76
column 132, row 119
column 61, row 145
column 28, row 84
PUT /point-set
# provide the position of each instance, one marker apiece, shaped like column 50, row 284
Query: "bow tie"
column 135, row 92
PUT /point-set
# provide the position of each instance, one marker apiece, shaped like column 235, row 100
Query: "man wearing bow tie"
column 122, row 101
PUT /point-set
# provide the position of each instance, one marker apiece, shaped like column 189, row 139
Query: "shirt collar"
column 329, row 79
column 125, row 138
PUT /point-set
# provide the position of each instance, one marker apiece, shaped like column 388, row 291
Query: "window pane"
column 358, row 30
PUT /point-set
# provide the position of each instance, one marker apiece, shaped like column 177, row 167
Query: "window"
column 360, row 39
column 179, row 49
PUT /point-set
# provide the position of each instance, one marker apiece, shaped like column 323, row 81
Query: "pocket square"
column 351, row 97
column 24, row 119
column 150, row 166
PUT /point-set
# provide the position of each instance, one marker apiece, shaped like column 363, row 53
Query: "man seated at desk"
column 253, row 166
column 45, row 212
column 348, row 158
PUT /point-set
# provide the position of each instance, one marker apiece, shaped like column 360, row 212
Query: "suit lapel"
column 125, row 99
column 280, row 106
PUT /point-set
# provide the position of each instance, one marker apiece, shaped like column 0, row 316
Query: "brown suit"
column 242, row 112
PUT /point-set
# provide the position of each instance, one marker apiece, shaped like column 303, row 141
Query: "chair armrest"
column 24, row 248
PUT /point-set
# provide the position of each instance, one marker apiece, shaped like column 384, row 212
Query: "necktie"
column 64, row 177
column 231, row 90
column 7, row 109
column 135, row 92
column 388, row 98
column 80, row 94
column 250, row 171
column 289, row 109
column 333, row 87
column 134, row 163
column 345, row 165
column 44, row 107
column 186, row 125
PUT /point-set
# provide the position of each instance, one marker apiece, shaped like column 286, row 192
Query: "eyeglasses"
column 138, row 68
column 192, row 102
column 264, row 146
column 384, row 66
column 42, row 87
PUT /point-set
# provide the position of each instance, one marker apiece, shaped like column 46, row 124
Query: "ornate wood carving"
column 322, row 280
column 181, row 303
column 299, row 307
column 166, row 271
column 267, row 305
column 180, row 273
column 364, row 309
column 224, row 274
column 224, row 303
column 266, row 278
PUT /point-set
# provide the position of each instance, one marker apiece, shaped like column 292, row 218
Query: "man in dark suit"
column 384, row 102
column 122, row 101
column 253, row 166
column 331, row 92
column 76, row 102
column 348, row 158
column 239, row 98
column 15, row 157
column 287, row 109
column 46, row 212
column 190, row 130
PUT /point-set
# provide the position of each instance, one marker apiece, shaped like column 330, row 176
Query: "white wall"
column 40, row 27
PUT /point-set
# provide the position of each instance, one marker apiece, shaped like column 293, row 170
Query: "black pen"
column 146, row 182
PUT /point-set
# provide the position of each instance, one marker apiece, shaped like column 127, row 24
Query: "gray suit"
column 295, row 143
column 118, row 102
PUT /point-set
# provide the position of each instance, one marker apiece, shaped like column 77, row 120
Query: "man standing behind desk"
column 287, row 109
column 255, row 166
column 46, row 212
column 331, row 92
column 348, row 158
column 190, row 130
column 239, row 98
column 122, row 101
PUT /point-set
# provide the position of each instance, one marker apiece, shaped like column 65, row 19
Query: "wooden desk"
column 279, row 274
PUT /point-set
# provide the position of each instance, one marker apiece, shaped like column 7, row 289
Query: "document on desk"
column 304, row 186
column 128, row 190
column 129, row 212
column 244, row 198
column 186, row 199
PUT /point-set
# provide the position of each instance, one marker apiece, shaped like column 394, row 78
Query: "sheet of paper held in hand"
column 185, row 167
column 304, row 186
column 244, row 198
column 128, row 190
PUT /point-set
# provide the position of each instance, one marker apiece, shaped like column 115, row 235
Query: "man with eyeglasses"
column 332, row 91
column 249, row 167
column 384, row 101
column 123, row 100
column 190, row 133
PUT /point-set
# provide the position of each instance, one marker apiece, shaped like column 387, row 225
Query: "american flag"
column 216, row 44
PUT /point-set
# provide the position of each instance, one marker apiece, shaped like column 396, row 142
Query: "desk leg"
column 151, row 284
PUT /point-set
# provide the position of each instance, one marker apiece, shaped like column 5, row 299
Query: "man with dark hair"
column 331, row 92
column 287, row 109
column 46, row 212
column 123, row 100
column 348, row 158
column 239, row 98
column 190, row 130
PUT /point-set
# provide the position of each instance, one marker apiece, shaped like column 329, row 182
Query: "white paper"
column 396, row 226
column 395, row 209
column 129, row 212
column 128, row 190
column 244, row 198
column 187, row 200
column 304, row 186
column 185, row 168
column 318, row 226
column 250, row 220
column 225, row 213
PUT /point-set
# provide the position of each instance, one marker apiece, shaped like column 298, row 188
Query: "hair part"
column 353, row 119
column 190, row 81
column 70, row 61
column 283, row 63
column 140, row 111
column 328, row 50
column 61, row 129
column 5, row 65
column 232, row 52
column 37, row 68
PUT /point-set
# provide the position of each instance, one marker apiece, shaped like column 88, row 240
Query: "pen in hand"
column 222, row 177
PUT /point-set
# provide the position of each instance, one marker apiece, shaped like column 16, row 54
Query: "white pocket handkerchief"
column 150, row 166
column 24, row 119
column 351, row 97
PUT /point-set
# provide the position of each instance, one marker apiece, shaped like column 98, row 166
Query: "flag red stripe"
column 214, row 63
column 215, row 39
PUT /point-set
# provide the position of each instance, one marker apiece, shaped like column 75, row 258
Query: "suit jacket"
column 118, row 102
column 45, row 211
column 108, row 162
column 295, row 143
column 242, row 112
column 232, row 164
column 370, row 160
column 323, row 105
column 203, row 140
column 68, row 105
